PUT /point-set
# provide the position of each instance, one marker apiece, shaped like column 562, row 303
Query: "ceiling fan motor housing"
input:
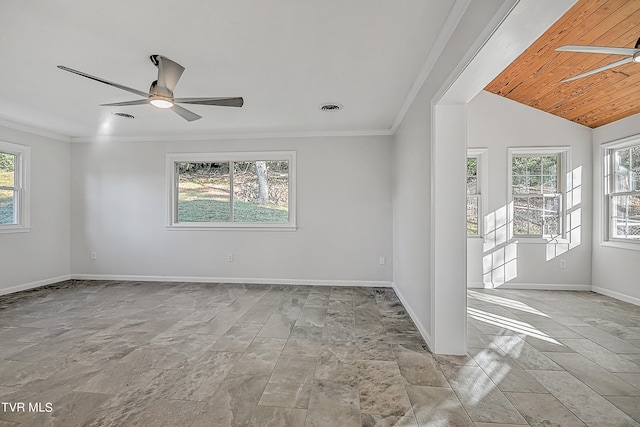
column 159, row 90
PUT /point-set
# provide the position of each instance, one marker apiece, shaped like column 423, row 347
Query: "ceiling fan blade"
column 185, row 114
column 597, row 70
column 224, row 102
column 98, row 79
column 599, row 49
column 122, row 104
column 169, row 72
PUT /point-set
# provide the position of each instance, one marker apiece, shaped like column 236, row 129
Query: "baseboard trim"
column 546, row 286
column 33, row 285
column 248, row 280
column 475, row 285
column 616, row 295
column 423, row 331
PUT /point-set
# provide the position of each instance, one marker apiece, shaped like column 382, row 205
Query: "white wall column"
column 448, row 230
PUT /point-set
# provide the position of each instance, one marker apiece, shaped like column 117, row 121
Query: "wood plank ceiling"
column 534, row 78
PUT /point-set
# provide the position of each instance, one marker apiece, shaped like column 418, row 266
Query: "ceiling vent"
column 331, row 107
column 124, row 115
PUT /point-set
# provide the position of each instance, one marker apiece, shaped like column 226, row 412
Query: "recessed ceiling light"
column 331, row 107
column 124, row 115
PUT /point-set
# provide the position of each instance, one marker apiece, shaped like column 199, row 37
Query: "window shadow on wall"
column 573, row 218
column 500, row 254
column 500, row 249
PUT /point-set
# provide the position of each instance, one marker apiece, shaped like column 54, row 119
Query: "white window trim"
column 482, row 154
column 22, row 173
column 606, row 177
column 565, row 165
column 173, row 158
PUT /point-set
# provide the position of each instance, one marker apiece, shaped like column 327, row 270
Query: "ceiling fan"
column 161, row 91
column 633, row 55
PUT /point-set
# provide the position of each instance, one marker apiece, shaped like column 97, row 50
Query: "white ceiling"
column 285, row 57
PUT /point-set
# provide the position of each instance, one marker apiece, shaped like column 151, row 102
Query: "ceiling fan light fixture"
column 161, row 101
column 636, row 56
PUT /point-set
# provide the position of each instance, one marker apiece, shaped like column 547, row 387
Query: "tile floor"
column 184, row 354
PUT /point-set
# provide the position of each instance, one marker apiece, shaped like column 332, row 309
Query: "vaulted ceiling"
column 535, row 77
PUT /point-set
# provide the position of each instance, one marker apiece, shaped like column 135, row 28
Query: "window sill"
column 540, row 240
column 621, row 245
column 14, row 229
column 234, row 227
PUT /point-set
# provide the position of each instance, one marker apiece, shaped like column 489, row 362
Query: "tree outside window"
column 8, row 189
column 14, row 191
column 536, row 193
column 624, row 193
column 473, row 197
column 232, row 190
column 255, row 191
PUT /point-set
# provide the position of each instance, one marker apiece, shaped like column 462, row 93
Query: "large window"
column 232, row 190
column 536, row 191
column 14, row 195
column 624, row 191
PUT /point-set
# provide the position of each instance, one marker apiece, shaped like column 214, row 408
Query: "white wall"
column 497, row 123
column 41, row 256
column 615, row 270
column 412, row 212
column 413, row 188
column 343, row 212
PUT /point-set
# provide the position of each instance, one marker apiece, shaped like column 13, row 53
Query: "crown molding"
column 10, row 124
column 34, row 130
column 449, row 26
column 232, row 136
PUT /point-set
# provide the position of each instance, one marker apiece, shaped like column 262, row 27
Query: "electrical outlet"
column 230, row 257
column 563, row 263
column 94, row 255
column 383, row 261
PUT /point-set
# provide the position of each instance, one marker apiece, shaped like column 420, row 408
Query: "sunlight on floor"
column 425, row 413
column 480, row 385
column 510, row 324
column 505, row 302
column 493, row 364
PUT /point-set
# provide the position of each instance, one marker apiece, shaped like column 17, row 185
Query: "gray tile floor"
column 185, row 354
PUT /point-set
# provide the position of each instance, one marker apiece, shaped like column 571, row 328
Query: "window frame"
column 20, row 187
column 609, row 192
column 564, row 160
column 250, row 156
column 482, row 185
